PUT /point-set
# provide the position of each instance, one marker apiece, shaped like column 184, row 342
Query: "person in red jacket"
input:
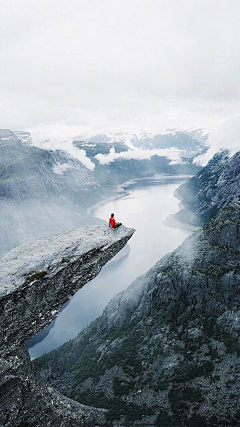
column 113, row 223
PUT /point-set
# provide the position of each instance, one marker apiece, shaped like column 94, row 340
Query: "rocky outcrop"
column 210, row 190
column 165, row 352
column 36, row 280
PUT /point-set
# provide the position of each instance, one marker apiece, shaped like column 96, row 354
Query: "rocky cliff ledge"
column 165, row 352
column 36, row 280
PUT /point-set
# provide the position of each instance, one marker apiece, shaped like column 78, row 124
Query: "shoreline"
column 170, row 221
column 120, row 190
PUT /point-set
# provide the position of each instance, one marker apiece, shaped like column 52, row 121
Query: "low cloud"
column 137, row 154
column 226, row 137
column 49, row 139
column 52, row 142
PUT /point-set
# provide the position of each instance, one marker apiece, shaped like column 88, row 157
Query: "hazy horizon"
column 119, row 65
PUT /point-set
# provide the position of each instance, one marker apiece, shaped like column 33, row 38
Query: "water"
column 145, row 207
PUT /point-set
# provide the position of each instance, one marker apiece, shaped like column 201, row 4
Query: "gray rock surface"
column 210, row 190
column 36, row 280
column 165, row 352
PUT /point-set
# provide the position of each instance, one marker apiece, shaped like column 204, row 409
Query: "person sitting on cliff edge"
column 113, row 223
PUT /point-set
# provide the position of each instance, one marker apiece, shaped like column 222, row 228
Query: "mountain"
column 191, row 142
column 101, row 149
column 41, row 192
column 122, row 170
column 45, row 191
column 36, row 280
column 98, row 147
column 165, row 352
column 210, row 190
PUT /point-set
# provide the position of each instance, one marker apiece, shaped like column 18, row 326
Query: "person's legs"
column 118, row 224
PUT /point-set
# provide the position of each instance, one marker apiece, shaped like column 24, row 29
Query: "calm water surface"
column 145, row 207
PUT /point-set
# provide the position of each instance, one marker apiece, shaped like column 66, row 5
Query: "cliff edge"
column 166, row 351
column 36, row 280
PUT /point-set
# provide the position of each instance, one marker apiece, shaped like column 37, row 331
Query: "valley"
column 146, row 204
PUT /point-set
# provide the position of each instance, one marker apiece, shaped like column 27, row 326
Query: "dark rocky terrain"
column 210, row 190
column 165, row 352
column 36, row 280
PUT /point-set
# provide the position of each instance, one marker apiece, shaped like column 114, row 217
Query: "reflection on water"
column 144, row 208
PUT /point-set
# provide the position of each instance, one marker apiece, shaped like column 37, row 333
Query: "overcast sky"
column 95, row 65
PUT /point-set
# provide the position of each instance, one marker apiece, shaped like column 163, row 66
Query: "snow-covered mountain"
column 124, row 156
column 190, row 142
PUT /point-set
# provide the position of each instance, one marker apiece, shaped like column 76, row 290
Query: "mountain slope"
column 191, row 141
column 121, row 169
column 41, row 192
column 165, row 352
column 210, row 190
column 36, row 280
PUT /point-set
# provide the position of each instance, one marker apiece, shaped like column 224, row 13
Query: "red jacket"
column 112, row 222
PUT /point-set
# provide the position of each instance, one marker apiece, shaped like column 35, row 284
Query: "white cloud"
column 50, row 140
column 138, row 154
column 226, row 137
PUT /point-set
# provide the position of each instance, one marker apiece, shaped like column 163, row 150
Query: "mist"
column 119, row 65
column 226, row 137
column 136, row 153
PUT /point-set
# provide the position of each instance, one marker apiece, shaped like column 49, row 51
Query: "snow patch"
column 52, row 142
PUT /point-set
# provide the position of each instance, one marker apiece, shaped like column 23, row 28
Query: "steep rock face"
column 165, row 352
column 28, row 172
column 36, row 280
column 210, row 190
